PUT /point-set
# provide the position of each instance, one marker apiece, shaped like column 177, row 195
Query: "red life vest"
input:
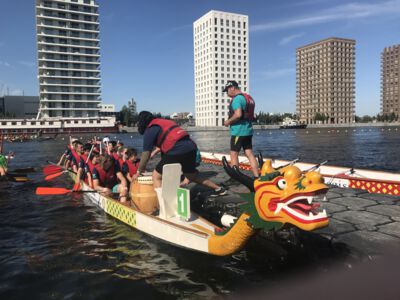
column 170, row 134
column 76, row 156
column 132, row 166
column 107, row 179
column 121, row 163
column 248, row 112
column 115, row 155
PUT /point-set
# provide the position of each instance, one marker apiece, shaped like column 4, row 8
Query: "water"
column 62, row 247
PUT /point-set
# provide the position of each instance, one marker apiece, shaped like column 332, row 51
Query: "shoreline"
column 273, row 127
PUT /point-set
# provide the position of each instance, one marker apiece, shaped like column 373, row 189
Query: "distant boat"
column 289, row 123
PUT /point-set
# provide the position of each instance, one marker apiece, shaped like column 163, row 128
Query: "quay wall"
column 269, row 127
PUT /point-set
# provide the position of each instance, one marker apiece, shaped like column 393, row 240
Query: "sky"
column 147, row 48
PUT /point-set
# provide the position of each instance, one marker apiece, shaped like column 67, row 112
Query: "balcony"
column 68, row 45
column 43, row 7
column 67, row 53
column 69, row 37
column 66, row 28
column 67, row 69
column 58, row 18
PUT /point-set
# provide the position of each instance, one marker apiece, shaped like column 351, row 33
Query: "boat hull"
column 372, row 181
column 195, row 234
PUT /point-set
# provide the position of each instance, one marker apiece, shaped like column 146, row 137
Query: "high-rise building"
column 325, row 82
column 132, row 106
column 390, row 80
column 221, row 53
column 68, row 58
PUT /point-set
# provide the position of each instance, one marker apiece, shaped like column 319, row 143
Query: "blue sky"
column 147, row 48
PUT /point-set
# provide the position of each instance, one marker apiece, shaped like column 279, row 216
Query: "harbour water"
column 62, row 247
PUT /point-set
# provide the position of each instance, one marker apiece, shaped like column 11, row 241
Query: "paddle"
column 55, row 175
column 51, row 169
column 24, row 170
column 43, row 191
column 16, row 177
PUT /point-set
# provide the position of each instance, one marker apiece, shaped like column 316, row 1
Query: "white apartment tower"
column 221, row 53
column 68, row 58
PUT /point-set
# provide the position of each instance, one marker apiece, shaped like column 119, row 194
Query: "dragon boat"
column 372, row 181
column 281, row 196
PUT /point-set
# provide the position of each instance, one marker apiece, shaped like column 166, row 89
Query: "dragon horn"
column 244, row 179
column 234, row 173
column 260, row 160
column 315, row 167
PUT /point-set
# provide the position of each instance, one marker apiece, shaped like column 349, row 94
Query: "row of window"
column 72, row 16
column 222, row 22
column 70, row 34
column 71, row 97
column 72, row 59
column 70, row 50
column 69, row 25
column 64, row 5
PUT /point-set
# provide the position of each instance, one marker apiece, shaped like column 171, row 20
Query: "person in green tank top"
column 241, row 128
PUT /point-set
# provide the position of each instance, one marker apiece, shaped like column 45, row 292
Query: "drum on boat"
column 143, row 195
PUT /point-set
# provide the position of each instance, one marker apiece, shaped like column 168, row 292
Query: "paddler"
column 106, row 175
column 131, row 165
column 176, row 147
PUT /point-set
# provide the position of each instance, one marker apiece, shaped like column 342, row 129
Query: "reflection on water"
column 64, row 247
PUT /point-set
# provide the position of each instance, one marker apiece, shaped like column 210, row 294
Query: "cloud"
column 348, row 11
column 4, row 63
column 273, row 74
column 286, row 40
column 16, row 92
column 29, row 64
column 174, row 30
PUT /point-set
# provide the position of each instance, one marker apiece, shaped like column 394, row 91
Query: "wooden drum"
column 143, row 195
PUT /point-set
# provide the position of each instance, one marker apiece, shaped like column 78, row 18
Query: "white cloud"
column 348, row 11
column 174, row 30
column 4, row 63
column 16, row 92
column 29, row 64
column 286, row 40
column 273, row 74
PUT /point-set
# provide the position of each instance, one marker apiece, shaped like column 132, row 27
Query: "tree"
column 126, row 116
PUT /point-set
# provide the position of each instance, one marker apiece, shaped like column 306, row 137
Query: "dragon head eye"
column 281, row 184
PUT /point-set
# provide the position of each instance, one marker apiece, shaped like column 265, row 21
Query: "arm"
column 124, row 185
column 236, row 117
column 144, row 158
column 155, row 152
column 100, row 189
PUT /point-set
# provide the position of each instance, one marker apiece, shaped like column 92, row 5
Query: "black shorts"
column 239, row 142
column 187, row 161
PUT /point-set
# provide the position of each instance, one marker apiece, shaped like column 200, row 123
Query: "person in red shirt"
column 131, row 165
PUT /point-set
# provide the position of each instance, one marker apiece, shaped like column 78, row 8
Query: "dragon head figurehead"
column 283, row 195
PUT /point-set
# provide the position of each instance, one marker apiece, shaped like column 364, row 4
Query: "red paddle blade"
column 51, row 191
column 51, row 169
column 52, row 176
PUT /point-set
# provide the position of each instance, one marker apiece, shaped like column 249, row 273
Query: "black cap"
column 229, row 84
column 144, row 119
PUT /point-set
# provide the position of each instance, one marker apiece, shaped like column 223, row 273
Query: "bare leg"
column 234, row 158
column 195, row 177
column 253, row 162
column 157, row 178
